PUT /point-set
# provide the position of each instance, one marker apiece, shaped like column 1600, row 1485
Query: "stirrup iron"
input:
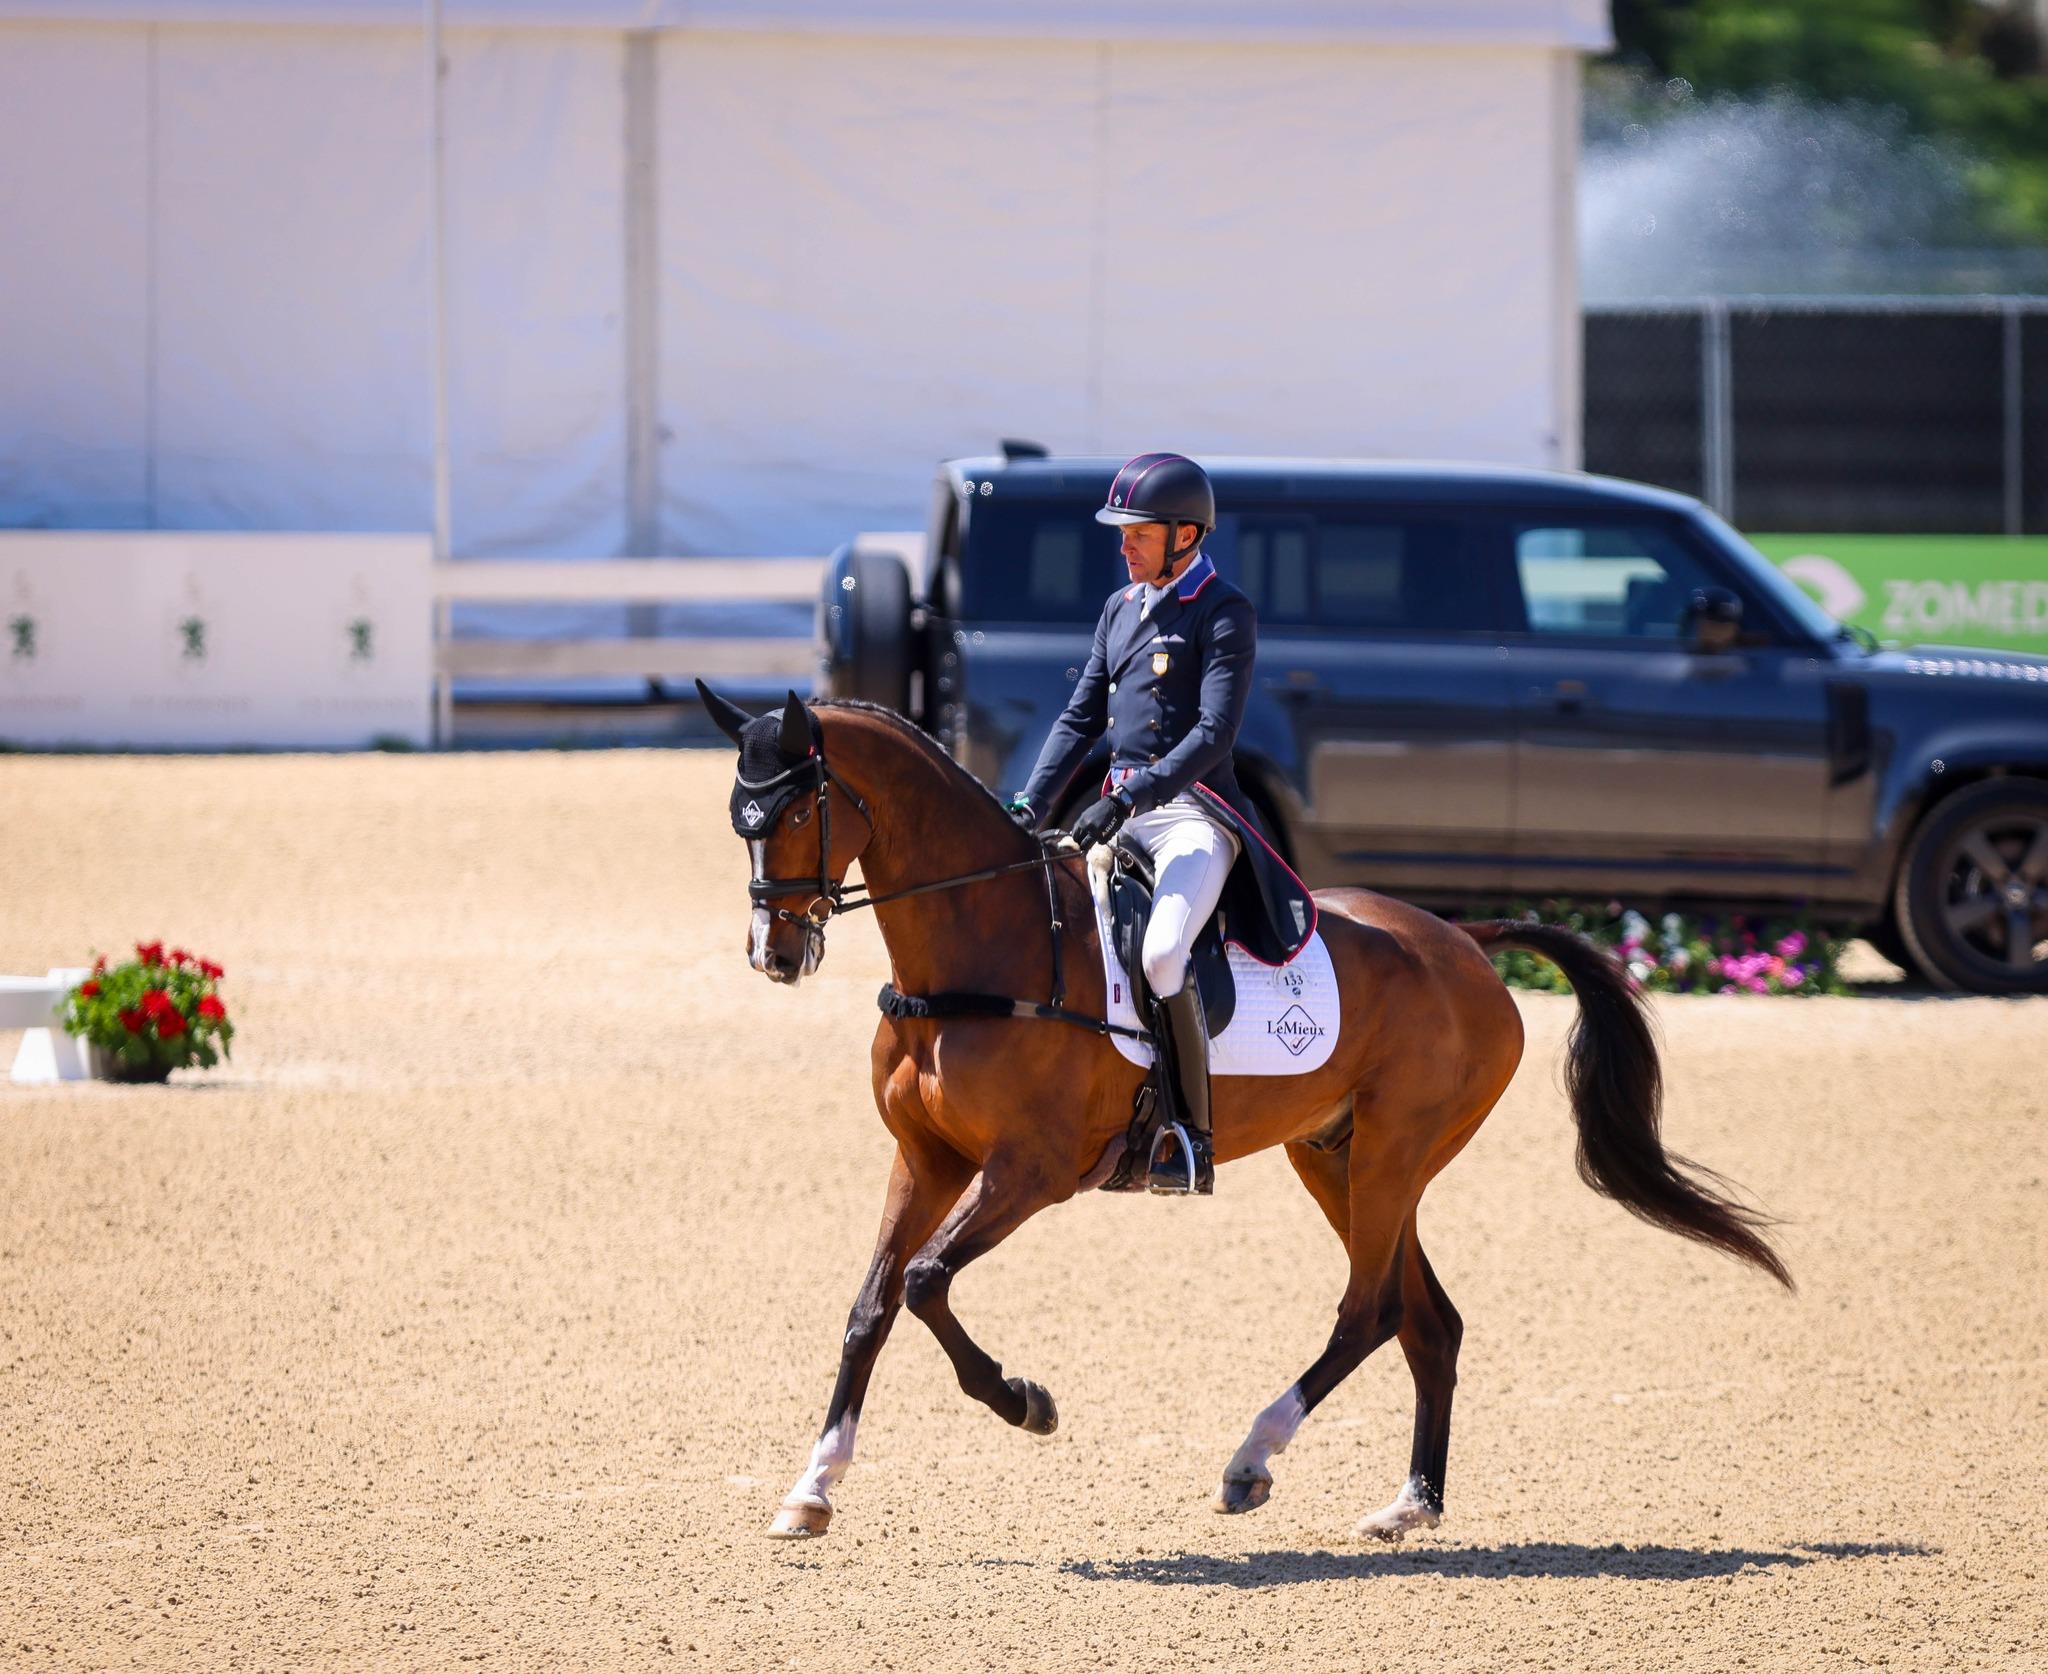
column 1172, row 1172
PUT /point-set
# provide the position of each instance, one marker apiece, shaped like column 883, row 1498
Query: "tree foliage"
column 1955, row 70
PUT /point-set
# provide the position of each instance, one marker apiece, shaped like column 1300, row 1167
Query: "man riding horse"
column 1167, row 679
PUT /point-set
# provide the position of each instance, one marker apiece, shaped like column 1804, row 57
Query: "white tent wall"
column 878, row 252
column 216, row 305
column 874, row 253
column 74, row 265
column 1346, row 232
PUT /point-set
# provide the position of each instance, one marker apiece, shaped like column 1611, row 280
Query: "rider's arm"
column 1230, row 640
column 1084, row 720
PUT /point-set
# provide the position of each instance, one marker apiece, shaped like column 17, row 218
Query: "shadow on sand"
column 1477, row 1563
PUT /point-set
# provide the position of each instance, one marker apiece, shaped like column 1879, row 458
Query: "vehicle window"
column 1037, row 561
column 1398, row 572
column 1049, row 561
column 1273, row 569
column 1620, row 580
column 1056, row 562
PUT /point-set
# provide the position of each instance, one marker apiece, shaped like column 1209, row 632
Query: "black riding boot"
column 1190, row 1167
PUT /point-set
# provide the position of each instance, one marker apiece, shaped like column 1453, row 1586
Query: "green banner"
column 1983, row 590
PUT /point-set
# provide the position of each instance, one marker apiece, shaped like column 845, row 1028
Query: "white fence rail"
column 625, row 581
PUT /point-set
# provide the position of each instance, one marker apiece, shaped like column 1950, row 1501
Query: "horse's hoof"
column 1041, row 1417
column 800, row 1520
column 1242, row 1494
column 1409, row 1511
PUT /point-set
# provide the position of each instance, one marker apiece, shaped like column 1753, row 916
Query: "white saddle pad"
column 1286, row 1018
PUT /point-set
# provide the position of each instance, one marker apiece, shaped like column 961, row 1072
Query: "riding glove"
column 1022, row 812
column 1101, row 821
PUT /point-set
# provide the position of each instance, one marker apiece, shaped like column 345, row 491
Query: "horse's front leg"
column 1002, row 1197
column 918, row 1197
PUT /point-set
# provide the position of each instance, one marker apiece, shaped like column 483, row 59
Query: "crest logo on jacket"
column 1161, row 661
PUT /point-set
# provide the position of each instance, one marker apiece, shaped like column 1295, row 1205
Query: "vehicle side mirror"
column 1713, row 619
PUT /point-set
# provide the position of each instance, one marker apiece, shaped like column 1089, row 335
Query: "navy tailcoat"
column 1169, row 692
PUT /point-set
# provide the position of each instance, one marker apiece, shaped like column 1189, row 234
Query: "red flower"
column 156, row 1003
column 208, row 968
column 88, row 989
column 179, row 956
column 150, row 953
column 169, row 1025
column 133, row 1021
column 212, row 1010
column 99, row 966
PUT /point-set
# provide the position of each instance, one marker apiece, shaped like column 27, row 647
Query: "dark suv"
column 1477, row 684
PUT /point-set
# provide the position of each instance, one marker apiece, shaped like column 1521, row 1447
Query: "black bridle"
column 828, row 897
column 768, row 799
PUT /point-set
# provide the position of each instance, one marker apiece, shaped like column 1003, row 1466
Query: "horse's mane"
column 922, row 741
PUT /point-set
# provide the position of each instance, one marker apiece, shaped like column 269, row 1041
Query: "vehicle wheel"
column 1972, row 897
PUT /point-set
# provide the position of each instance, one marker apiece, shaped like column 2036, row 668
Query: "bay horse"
column 996, row 1117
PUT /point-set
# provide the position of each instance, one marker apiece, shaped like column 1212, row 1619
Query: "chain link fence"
column 1883, row 415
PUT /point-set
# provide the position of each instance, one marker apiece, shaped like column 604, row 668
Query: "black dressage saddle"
column 1130, row 910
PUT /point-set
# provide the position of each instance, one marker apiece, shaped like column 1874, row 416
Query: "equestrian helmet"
column 1161, row 488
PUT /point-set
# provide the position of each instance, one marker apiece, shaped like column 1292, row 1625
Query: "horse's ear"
column 796, row 729
column 727, row 716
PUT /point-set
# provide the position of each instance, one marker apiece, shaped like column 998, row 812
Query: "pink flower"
column 1792, row 946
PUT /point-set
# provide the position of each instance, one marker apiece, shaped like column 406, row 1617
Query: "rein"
column 838, row 897
column 829, row 898
column 1050, row 857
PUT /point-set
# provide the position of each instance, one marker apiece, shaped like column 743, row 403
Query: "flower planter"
column 107, row 1066
column 163, row 1008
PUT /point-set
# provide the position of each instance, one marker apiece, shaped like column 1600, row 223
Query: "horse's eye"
column 800, row 816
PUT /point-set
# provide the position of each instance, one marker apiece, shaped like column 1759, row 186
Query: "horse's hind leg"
column 1430, row 1333
column 1368, row 1315
column 990, row 1210
column 918, row 1198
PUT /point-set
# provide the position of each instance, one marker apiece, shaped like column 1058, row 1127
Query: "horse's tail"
column 1617, row 1094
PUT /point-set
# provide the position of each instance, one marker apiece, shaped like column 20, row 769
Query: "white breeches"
column 1191, row 857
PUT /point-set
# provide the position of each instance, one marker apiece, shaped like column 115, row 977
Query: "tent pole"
column 437, row 195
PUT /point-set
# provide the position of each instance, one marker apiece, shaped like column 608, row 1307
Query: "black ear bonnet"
column 780, row 759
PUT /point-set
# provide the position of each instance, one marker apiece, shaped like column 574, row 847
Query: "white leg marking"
column 1410, row 1510
column 1270, row 1433
column 829, row 1459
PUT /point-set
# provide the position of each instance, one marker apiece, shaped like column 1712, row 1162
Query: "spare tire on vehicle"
column 865, row 645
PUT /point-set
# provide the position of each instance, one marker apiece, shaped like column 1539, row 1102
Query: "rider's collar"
column 1196, row 576
column 1191, row 581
